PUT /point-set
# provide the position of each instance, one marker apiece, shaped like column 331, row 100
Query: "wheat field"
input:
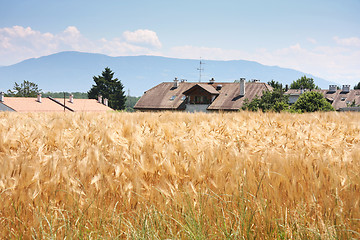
column 170, row 175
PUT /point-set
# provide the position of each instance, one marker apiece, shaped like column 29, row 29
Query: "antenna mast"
column 200, row 69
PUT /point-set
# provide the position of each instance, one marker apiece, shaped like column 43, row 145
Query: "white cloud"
column 19, row 43
column 350, row 42
column 117, row 47
column 194, row 52
column 143, row 36
column 339, row 63
column 311, row 40
column 18, row 31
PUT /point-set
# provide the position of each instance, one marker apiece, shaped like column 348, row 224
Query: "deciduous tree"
column 303, row 83
column 25, row 89
column 270, row 101
column 276, row 85
column 312, row 102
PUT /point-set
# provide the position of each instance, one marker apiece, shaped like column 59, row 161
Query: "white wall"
column 293, row 98
column 196, row 107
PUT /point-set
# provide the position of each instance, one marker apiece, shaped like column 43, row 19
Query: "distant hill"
column 73, row 71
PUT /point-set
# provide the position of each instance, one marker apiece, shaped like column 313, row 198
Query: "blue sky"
column 321, row 37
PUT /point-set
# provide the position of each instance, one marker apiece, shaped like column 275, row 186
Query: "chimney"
column 39, row 97
column 332, row 88
column 302, row 90
column 99, row 99
column 346, row 88
column 176, row 83
column 1, row 96
column 106, row 102
column 71, row 98
column 212, row 80
column 242, row 86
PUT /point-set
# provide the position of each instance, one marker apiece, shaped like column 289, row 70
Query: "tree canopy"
column 270, row 101
column 312, row 102
column 303, row 83
column 275, row 85
column 25, row 89
column 130, row 103
column 76, row 95
column 357, row 86
column 109, row 88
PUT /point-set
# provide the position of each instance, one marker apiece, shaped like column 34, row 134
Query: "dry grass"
column 180, row 176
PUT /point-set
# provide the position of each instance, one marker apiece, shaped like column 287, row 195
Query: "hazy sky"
column 321, row 37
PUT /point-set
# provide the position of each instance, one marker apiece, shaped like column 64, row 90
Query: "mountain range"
column 74, row 71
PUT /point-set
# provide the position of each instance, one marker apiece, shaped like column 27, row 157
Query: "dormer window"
column 201, row 94
column 172, row 98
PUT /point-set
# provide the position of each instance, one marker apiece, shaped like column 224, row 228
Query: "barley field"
column 172, row 175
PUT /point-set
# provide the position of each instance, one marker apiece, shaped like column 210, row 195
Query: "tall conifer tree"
column 109, row 88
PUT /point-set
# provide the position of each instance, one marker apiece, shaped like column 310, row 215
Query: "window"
column 172, row 98
column 183, row 98
column 205, row 100
column 197, row 99
column 201, row 100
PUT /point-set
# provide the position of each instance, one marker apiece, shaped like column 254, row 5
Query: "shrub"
column 274, row 101
column 312, row 102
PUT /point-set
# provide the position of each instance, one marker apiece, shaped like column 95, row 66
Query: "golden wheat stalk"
column 253, row 171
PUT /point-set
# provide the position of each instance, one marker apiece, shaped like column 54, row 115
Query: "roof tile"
column 85, row 105
column 165, row 97
column 22, row 104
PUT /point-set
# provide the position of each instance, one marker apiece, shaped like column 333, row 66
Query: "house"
column 340, row 99
column 39, row 104
column 200, row 97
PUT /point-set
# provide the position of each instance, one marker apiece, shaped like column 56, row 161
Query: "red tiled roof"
column 22, row 104
column 85, row 105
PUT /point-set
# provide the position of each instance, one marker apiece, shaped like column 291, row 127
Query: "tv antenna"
column 200, row 69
